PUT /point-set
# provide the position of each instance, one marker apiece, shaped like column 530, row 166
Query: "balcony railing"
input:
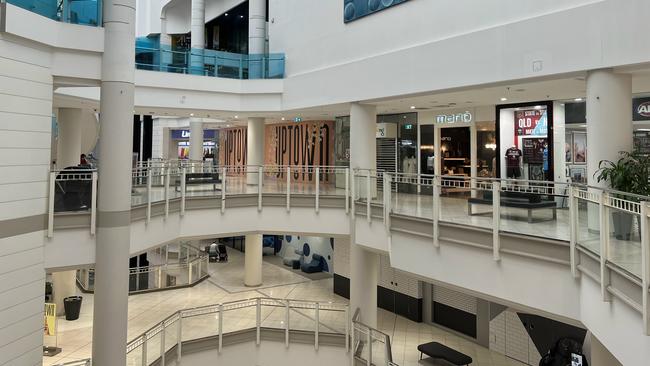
column 210, row 63
column 84, row 12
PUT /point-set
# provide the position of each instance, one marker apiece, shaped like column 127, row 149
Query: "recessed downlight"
column 578, row 99
column 503, row 99
column 412, row 107
column 191, row 114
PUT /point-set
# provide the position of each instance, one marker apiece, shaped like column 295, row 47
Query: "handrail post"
column 435, row 212
column 368, row 196
column 223, row 189
column 347, row 329
column 160, row 281
column 353, row 192
column 179, row 337
column 258, row 320
column 573, row 226
column 149, row 177
column 50, row 208
column 496, row 220
column 162, row 344
column 260, row 177
column 645, row 266
column 347, row 190
column 352, row 344
column 189, row 270
column 317, row 325
column 317, row 188
column 387, row 201
column 93, row 204
column 183, row 176
column 369, row 340
column 286, row 323
column 144, row 350
column 167, row 193
column 604, row 246
column 220, row 327
column 288, row 188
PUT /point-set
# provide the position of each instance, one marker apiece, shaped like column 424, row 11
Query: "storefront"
column 180, row 144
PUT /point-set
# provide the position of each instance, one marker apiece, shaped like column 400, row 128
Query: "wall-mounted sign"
column 355, row 9
column 641, row 109
column 531, row 122
column 185, row 134
column 386, row 131
column 297, row 119
column 50, row 319
column 465, row 117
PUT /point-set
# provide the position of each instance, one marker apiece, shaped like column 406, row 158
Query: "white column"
column 256, row 36
column 437, row 158
column 559, row 141
column 253, row 260
column 165, row 43
column 609, row 118
column 63, row 285
column 473, row 153
column 114, row 194
column 196, row 139
column 364, row 265
column 254, row 148
column 197, row 41
column 68, row 151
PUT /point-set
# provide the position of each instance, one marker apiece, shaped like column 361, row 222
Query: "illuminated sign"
column 465, row 117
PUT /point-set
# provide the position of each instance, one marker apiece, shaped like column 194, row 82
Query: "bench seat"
column 440, row 351
column 515, row 203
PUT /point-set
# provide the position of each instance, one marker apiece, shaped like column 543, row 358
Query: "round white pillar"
column 64, row 284
column 609, row 119
column 197, row 38
column 113, row 234
column 364, row 264
column 68, row 151
column 196, row 139
column 254, row 148
column 256, row 37
column 253, row 260
column 559, row 141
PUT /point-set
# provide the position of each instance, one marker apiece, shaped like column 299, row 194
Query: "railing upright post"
column 93, row 204
column 317, row 325
column 50, row 206
column 317, row 188
column 162, row 344
column 604, row 246
column 288, row 188
column 258, row 320
column 352, row 343
column 220, row 327
column 183, row 176
column 353, row 192
column 435, row 212
column 223, row 189
column 496, row 220
column 645, row 266
column 260, row 179
column 167, row 193
column 286, row 323
column 369, row 340
column 179, row 337
column 347, row 190
column 160, row 279
column 387, row 201
column 149, row 177
column 573, row 226
column 189, row 270
column 144, row 350
column 368, row 195
column 347, row 329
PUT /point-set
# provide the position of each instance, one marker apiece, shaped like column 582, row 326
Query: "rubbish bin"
column 72, row 306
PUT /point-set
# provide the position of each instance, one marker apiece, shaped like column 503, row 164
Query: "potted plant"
column 630, row 173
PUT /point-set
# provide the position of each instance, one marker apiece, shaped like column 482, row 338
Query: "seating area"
column 439, row 351
column 200, row 178
column 527, row 201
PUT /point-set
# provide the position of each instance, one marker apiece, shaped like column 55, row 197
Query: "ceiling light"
column 412, row 107
column 236, row 117
column 226, row 14
column 578, row 99
column 538, row 107
column 241, row 16
column 283, row 118
column 191, row 114
column 503, row 99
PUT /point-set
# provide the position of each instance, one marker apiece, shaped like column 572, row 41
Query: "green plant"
column 630, row 173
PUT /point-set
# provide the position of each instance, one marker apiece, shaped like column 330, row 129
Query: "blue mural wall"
column 355, row 9
column 309, row 245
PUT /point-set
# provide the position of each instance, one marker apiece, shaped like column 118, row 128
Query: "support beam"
column 253, row 260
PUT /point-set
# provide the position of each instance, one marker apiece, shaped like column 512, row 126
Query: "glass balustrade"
column 83, row 12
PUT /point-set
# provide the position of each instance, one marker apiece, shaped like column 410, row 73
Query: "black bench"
column 440, row 351
column 523, row 200
column 200, row 178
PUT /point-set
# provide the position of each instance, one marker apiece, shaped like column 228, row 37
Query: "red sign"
column 526, row 122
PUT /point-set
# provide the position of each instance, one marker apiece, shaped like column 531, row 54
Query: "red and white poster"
column 530, row 122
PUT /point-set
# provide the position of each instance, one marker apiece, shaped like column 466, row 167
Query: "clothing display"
column 409, row 165
column 513, row 160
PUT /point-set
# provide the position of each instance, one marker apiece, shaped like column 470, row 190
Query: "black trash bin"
column 72, row 306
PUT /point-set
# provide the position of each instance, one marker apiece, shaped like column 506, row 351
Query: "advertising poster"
column 50, row 319
column 568, row 147
column 531, row 122
column 580, row 148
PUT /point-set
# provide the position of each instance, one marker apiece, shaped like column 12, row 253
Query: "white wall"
column 25, row 138
column 159, row 143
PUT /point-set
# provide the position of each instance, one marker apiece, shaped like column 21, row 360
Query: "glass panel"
column 625, row 240
column 588, row 234
column 134, row 358
column 332, row 321
column 302, row 319
column 378, row 355
column 171, row 335
column 197, row 327
column 153, row 348
column 274, row 315
column 85, row 12
column 240, row 318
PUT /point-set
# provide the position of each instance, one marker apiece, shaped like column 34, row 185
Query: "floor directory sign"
column 50, row 319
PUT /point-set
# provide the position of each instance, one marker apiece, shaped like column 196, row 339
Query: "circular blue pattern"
column 306, row 249
column 373, row 5
column 288, row 238
column 349, row 11
column 386, row 3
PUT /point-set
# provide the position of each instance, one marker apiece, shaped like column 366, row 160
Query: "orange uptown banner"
column 232, row 147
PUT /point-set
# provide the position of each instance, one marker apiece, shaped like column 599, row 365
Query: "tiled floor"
column 145, row 310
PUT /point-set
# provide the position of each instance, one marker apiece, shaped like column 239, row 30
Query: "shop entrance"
column 455, row 151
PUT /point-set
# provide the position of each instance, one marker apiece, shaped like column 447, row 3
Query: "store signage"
column 465, row 117
column 641, row 109
column 386, row 131
column 50, row 319
column 531, row 122
column 297, row 119
column 355, row 9
column 185, row 134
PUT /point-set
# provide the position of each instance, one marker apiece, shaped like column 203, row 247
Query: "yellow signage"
column 50, row 319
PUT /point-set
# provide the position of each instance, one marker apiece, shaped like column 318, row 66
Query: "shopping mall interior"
column 282, row 182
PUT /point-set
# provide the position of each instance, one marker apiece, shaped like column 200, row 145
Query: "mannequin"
column 513, row 162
